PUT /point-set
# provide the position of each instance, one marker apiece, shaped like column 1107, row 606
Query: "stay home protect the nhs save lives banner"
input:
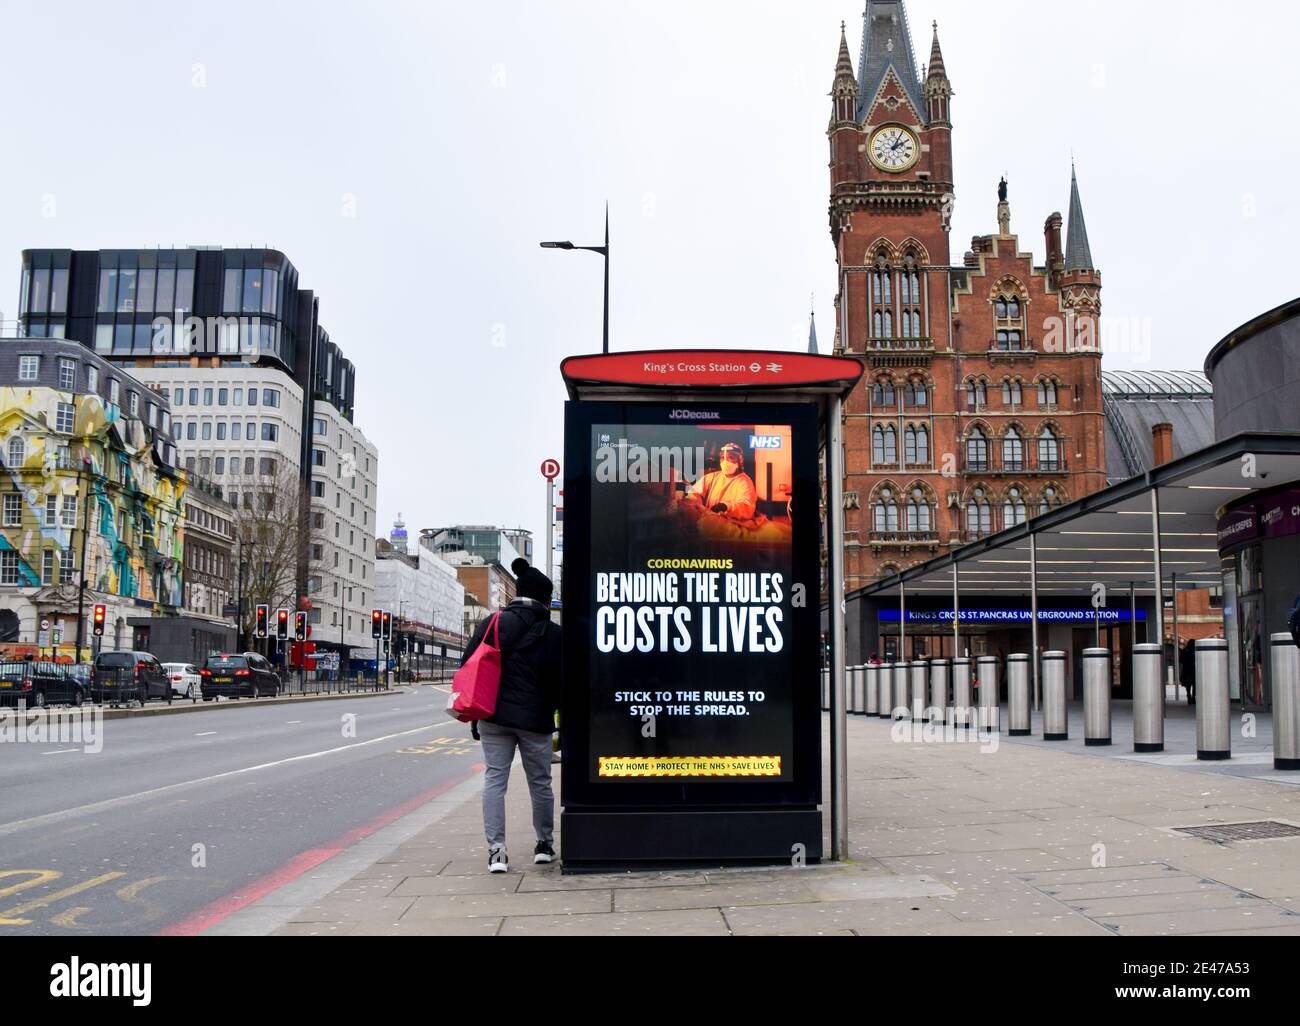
column 693, row 592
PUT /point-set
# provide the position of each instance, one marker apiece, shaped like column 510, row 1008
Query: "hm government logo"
column 131, row 980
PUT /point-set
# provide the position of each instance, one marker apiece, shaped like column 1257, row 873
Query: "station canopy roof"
column 1107, row 537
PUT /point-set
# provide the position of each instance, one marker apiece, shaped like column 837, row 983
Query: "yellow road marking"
column 40, row 876
column 9, row 916
column 131, row 893
column 442, row 745
column 68, row 919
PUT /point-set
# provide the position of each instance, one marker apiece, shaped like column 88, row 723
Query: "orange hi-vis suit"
column 737, row 493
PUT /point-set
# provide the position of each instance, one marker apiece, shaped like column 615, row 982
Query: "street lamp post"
column 85, row 534
column 603, row 251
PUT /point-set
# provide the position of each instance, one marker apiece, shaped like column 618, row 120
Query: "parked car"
column 239, row 676
column 185, row 678
column 39, row 685
column 129, row 677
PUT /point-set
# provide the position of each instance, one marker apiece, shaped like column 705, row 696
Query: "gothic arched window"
column 977, row 395
column 1048, row 393
column 918, row 396
column 918, row 446
column 882, row 281
column 919, row 515
column 979, row 514
column 1009, row 323
column 977, row 452
column 884, row 446
column 886, row 513
column 1014, row 512
column 1051, row 500
column 1012, row 394
column 883, row 396
column 1049, row 451
column 910, row 288
column 1013, row 452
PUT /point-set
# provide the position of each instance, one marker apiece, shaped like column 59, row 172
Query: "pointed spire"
column 937, row 69
column 886, row 46
column 1078, row 254
column 846, row 82
column 812, row 335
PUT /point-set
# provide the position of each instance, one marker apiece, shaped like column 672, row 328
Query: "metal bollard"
column 1148, row 700
column 885, row 682
column 1096, row 697
column 859, row 690
column 871, row 675
column 1286, row 703
column 1019, row 699
column 1056, row 707
column 1213, row 741
column 826, row 690
column 851, row 690
column 939, row 671
column 901, row 710
column 990, row 715
column 961, row 693
column 920, row 691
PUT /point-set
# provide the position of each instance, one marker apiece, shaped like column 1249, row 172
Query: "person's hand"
column 720, row 508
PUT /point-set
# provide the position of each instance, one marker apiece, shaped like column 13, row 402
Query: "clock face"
column 894, row 148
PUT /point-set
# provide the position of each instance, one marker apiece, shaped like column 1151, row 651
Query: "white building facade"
column 344, row 481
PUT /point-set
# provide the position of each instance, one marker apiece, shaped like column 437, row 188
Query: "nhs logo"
column 765, row 441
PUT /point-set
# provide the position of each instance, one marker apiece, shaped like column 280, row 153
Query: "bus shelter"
column 692, row 595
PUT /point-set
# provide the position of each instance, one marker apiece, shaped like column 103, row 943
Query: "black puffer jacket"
column 531, row 680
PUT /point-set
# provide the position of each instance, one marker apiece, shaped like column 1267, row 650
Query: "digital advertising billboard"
column 692, row 595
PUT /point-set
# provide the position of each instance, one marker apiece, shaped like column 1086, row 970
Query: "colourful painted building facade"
column 89, row 477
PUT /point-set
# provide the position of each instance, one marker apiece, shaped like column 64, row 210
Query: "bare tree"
column 274, row 539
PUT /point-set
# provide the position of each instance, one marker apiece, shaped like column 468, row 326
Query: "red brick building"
column 982, row 403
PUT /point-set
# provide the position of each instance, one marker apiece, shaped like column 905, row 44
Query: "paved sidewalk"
column 945, row 839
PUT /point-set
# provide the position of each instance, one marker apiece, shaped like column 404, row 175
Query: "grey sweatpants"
column 499, row 745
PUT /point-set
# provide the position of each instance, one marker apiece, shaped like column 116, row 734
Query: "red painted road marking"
column 223, row 908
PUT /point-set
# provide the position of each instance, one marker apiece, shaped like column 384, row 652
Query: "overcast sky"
column 408, row 157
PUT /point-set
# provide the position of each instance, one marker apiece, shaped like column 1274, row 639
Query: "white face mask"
column 731, row 468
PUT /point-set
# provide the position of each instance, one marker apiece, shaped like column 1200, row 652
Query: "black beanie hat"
column 533, row 583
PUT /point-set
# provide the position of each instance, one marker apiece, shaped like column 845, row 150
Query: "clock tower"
column 981, row 404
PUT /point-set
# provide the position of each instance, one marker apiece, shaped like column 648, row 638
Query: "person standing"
column 529, row 695
column 1187, row 669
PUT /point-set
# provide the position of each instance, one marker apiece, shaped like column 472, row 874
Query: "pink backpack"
column 475, row 686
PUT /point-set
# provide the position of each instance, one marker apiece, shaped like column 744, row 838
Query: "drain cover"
column 1226, row 833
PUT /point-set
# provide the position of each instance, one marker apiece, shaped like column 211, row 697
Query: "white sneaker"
column 498, row 861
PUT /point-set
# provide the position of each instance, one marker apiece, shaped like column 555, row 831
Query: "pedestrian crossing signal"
column 101, row 614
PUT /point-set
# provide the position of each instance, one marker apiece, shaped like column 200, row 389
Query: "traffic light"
column 101, row 614
column 263, row 618
column 388, row 625
column 377, row 624
column 282, row 624
column 300, row 626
